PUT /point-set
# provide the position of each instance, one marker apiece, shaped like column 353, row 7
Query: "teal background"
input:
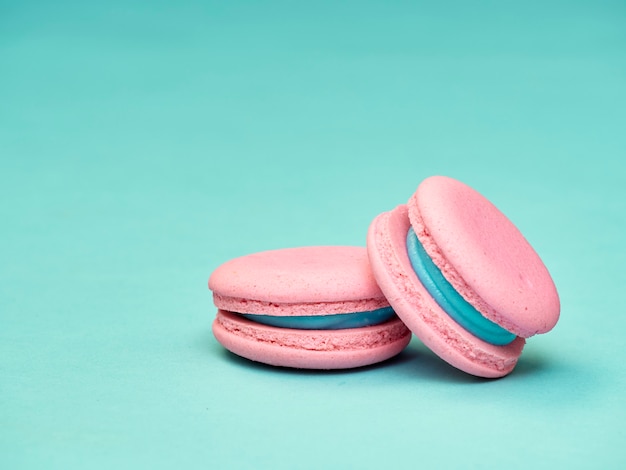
column 142, row 144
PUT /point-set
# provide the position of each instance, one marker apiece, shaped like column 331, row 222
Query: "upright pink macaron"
column 310, row 307
column 462, row 277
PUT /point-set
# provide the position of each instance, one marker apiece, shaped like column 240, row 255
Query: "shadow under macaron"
column 404, row 358
column 429, row 366
column 416, row 361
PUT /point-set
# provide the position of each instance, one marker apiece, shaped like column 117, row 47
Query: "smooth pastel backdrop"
column 144, row 143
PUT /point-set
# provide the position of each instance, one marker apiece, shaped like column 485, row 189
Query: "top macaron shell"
column 328, row 280
column 484, row 256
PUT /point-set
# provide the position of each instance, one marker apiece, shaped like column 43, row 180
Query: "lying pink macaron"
column 462, row 277
column 310, row 307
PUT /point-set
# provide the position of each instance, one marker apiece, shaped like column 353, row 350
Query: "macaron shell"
column 310, row 349
column 386, row 245
column 484, row 256
column 295, row 276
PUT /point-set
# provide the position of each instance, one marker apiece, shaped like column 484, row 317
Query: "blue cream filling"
column 326, row 322
column 449, row 299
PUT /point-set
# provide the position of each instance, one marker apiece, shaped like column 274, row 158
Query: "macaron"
column 309, row 307
column 462, row 277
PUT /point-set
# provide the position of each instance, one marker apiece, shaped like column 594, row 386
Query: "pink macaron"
column 462, row 277
column 309, row 307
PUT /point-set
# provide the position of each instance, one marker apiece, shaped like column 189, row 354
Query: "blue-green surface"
column 340, row 321
column 142, row 144
column 446, row 296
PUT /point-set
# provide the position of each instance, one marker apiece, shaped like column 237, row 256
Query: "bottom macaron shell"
column 386, row 243
column 310, row 349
